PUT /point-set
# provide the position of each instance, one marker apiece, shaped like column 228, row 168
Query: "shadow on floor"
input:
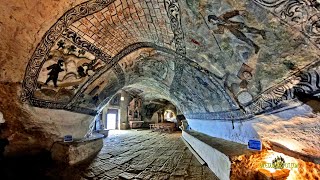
column 39, row 166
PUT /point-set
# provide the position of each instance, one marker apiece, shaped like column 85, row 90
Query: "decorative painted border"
column 83, row 44
column 42, row 51
column 299, row 14
column 173, row 11
column 272, row 99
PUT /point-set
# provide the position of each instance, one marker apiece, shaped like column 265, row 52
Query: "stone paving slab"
column 146, row 155
column 126, row 175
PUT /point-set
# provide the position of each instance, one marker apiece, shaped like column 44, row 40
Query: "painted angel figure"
column 238, row 29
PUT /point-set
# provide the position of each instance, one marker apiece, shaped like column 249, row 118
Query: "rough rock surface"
column 29, row 128
column 76, row 152
column 2, row 120
column 22, row 25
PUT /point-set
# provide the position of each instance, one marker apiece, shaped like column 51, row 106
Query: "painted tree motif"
column 81, row 52
column 61, row 44
column 71, row 49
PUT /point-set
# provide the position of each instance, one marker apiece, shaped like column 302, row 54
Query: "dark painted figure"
column 95, row 99
column 81, row 71
column 236, row 28
column 54, row 73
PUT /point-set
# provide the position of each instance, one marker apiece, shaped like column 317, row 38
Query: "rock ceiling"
column 212, row 59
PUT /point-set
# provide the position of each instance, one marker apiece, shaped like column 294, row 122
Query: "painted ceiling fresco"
column 212, row 59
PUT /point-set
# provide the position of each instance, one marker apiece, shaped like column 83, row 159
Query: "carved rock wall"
column 294, row 128
column 205, row 68
column 29, row 129
column 22, row 25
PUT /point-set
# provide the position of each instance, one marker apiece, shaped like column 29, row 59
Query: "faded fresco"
column 219, row 58
column 148, row 64
column 98, row 91
column 65, row 70
column 244, row 45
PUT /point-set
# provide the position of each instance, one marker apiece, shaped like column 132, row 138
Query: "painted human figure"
column 246, row 76
column 236, row 28
column 54, row 73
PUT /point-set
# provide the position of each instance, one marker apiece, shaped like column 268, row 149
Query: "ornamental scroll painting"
column 65, row 70
column 300, row 14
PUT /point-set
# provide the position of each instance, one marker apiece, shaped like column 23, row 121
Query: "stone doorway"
column 112, row 119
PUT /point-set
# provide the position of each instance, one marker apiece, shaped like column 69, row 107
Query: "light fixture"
column 122, row 98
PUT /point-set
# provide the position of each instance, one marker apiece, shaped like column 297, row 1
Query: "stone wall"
column 76, row 152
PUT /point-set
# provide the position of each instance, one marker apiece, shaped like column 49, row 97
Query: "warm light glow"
column 288, row 144
column 170, row 116
column 272, row 155
column 248, row 166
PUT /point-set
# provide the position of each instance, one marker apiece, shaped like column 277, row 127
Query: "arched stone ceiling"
column 207, row 57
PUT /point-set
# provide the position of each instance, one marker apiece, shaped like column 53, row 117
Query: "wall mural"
column 115, row 101
column 220, row 60
column 149, row 64
column 238, row 29
column 99, row 90
column 76, row 40
column 300, row 14
column 66, row 68
column 280, row 96
column 200, row 94
column 251, row 56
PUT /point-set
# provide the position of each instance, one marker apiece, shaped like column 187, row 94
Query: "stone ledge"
column 229, row 148
column 215, row 152
column 76, row 152
column 218, row 162
column 299, row 155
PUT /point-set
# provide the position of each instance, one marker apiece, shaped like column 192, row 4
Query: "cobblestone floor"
column 146, row 155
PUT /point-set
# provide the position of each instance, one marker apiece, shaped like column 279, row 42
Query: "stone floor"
column 125, row 155
column 146, row 155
